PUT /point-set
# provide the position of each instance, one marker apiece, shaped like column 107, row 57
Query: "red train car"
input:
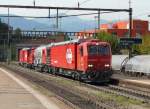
column 20, row 57
column 30, row 58
column 64, row 56
column 42, row 57
column 23, row 56
column 88, row 60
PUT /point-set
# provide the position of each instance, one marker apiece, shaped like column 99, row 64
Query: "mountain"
column 70, row 24
column 24, row 24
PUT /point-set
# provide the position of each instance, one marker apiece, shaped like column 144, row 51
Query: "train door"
column 80, row 57
column 48, row 56
column 44, row 56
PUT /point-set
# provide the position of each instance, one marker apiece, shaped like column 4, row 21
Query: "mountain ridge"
column 69, row 24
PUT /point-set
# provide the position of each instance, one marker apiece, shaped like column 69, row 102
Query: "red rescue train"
column 83, row 59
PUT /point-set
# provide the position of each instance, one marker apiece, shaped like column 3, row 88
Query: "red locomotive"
column 82, row 59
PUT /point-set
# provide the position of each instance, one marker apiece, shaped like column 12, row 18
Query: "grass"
column 119, row 99
column 106, row 96
column 102, row 95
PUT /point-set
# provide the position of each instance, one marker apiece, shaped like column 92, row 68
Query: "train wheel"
column 136, row 74
column 41, row 69
column 93, row 75
column 77, row 76
column 123, row 70
column 73, row 75
column 45, row 69
column 54, row 71
column 50, row 70
column 148, row 76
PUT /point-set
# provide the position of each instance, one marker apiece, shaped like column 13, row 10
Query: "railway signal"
column 130, row 41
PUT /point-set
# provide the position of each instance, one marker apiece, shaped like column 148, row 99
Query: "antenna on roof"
column 33, row 2
column 130, row 3
column 78, row 5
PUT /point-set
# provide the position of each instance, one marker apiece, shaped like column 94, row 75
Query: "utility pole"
column 33, row 2
column 130, row 22
column 130, row 19
column 78, row 5
column 49, row 15
column 95, row 20
column 98, row 19
column 8, row 42
column 130, row 28
column 129, row 4
column 57, row 24
column 49, row 12
column 60, row 23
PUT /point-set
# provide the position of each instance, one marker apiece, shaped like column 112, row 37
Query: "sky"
column 141, row 8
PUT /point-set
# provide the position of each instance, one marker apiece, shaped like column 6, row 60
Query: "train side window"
column 48, row 51
column 81, row 51
column 42, row 52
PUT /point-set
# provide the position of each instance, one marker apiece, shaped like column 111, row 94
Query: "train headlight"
column 107, row 65
column 90, row 65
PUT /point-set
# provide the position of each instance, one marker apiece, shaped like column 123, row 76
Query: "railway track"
column 126, row 92
column 73, row 99
column 81, row 101
column 145, row 96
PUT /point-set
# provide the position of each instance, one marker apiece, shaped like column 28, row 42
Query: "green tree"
column 143, row 48
column 112, row 39
column 17, row 33
column 3, row 30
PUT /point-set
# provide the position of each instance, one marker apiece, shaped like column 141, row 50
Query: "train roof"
column 68, row 42
column 45, row 46
column 25, row 48
column 74, row 41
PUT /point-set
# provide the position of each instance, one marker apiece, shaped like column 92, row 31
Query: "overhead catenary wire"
column 79, row 4
column 85, row 14
column 85, row 1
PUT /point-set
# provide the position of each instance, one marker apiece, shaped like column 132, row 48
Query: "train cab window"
column 98, row 50
column 103, row 50
column 81, row 51
column 92, row 49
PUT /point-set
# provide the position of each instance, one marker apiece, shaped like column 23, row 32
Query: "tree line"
column 4, row 29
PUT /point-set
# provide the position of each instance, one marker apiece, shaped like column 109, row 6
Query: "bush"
column 143, row 48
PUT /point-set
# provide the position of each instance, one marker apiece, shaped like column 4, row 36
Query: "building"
column 121, row 29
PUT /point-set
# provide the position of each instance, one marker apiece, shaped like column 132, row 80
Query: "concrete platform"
column 143, row 82
column 14, row 94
